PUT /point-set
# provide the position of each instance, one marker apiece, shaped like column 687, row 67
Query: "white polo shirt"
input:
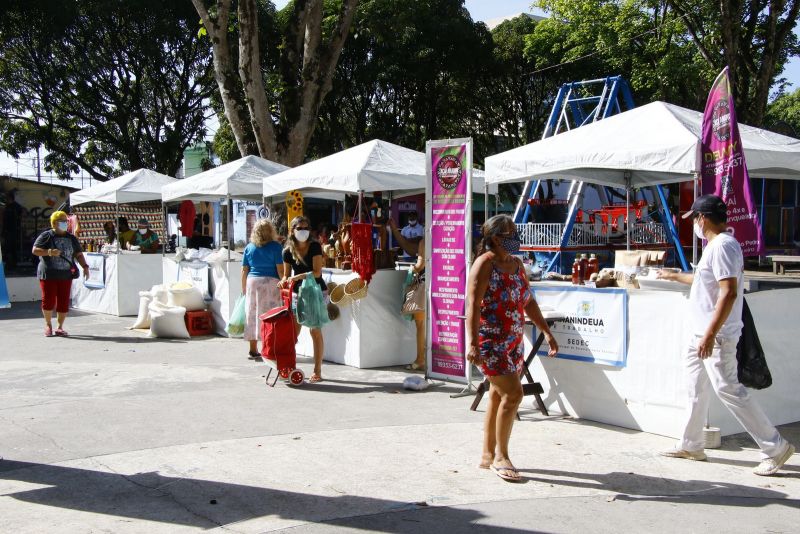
column 721, row 259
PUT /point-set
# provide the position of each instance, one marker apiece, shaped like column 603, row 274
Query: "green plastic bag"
column 236, row 324
column 311, row 309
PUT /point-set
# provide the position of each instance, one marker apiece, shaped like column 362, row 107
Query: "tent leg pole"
column 694, row 237
column 230, row 225
column 628, row 211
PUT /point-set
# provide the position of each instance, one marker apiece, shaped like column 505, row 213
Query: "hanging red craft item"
column 361, row 247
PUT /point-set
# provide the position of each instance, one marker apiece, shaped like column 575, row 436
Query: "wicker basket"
column 331, row 287
column 339, row 297
column 356, row 289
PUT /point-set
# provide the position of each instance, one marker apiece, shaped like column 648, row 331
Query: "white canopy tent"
column 658, row 143
column 373, row 166
column 137, row 186
column 240, row 179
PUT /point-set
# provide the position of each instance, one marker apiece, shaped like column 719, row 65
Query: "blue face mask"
column 62, row 225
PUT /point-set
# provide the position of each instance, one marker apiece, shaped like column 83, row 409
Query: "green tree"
column 410, row 71
column 271, row 97
column 644, row 41
column 783, row 115
column 103, row 86
column 754, row 38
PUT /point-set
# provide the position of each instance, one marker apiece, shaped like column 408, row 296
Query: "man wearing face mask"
column 145, row 238
column 715, row 303
column 413, row 232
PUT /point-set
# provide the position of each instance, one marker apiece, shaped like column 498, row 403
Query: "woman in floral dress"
column 498, row 298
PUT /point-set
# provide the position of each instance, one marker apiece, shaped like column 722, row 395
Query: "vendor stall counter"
column 116, row 281
column 648, row 392
column 370, row 332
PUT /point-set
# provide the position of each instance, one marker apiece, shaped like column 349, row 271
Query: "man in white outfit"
column 715, row 302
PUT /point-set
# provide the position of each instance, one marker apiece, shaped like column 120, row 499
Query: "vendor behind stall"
column 145, row 238
column 126, row 235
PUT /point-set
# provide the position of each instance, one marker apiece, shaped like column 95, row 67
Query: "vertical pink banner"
column 724, row 168
column 449, row 253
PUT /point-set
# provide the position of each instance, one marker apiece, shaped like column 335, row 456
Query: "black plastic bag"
column 752, row 365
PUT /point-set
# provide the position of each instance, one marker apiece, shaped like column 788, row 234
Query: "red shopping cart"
column 278, row 338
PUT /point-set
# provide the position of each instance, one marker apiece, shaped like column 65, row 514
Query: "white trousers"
column 719, row 371
column 262, row 295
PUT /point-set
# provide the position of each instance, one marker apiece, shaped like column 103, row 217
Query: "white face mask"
column 302, row 235
column 142, row 231
column 412, row 223
column 698, row 231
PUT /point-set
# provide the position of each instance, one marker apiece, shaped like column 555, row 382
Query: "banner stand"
column 448, row 247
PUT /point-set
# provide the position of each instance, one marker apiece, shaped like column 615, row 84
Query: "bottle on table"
column 576, row 268
column 594, row 265
column 584, row 265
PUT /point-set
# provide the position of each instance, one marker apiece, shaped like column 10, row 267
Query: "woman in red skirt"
column 498, row 298
column 58, row 252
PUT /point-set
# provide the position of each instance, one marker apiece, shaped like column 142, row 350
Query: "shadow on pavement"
column 200, row 503
column 640, row 487
column 33, row 310
column 125, row 339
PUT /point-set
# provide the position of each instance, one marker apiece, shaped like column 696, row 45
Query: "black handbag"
column 751, row 363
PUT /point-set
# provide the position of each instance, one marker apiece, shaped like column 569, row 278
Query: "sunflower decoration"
column 294, row 205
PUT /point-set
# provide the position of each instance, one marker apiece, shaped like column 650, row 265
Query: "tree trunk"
column 226, row 76
column 253, row 81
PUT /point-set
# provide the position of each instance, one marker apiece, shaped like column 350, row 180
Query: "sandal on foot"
column 61, row 332
column 254, row 356
column 315, row 378
column 415, row 367
column 503, row 472
column 48, row 331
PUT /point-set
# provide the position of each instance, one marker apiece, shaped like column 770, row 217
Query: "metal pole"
column 166, row 229
column 628, row 209
column 694, row 237
column 230, row 225
column 485, row 202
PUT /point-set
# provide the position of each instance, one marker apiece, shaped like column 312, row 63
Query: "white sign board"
column 97, row 270
column 596, row 323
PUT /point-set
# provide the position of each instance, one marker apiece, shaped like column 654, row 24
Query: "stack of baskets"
column 344, row 294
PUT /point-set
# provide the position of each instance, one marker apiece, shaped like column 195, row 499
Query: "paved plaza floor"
column 109, row 431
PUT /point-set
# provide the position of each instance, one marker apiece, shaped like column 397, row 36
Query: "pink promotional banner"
column 724, row 168
column 449, row 203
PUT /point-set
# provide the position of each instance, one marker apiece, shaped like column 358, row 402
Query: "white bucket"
column 712, row 437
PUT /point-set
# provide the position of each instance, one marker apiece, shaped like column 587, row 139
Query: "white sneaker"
column 770, row 466
column 684, row 454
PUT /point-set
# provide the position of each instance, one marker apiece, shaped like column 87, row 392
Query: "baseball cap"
column 708, row 205
column 144, row 222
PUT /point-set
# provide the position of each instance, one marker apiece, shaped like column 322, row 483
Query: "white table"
column 126, row 274
column 370, row 332
column 649, row 393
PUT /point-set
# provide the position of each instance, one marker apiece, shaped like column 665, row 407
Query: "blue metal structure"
column 578, row 104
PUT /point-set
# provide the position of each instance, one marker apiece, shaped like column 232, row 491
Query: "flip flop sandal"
column 48, row 331
column 61, row 332
column 315, row 379
column 254, row 356
column 499, row 471
column 414, row 367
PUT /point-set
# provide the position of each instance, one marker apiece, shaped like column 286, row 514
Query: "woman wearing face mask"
column 146, row 239
column 498, row 298
column 302, row 257
column 58, row 251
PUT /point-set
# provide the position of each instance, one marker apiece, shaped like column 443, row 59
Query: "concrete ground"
column 108, row 431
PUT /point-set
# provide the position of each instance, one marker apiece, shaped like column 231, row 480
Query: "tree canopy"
column 103, row 86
